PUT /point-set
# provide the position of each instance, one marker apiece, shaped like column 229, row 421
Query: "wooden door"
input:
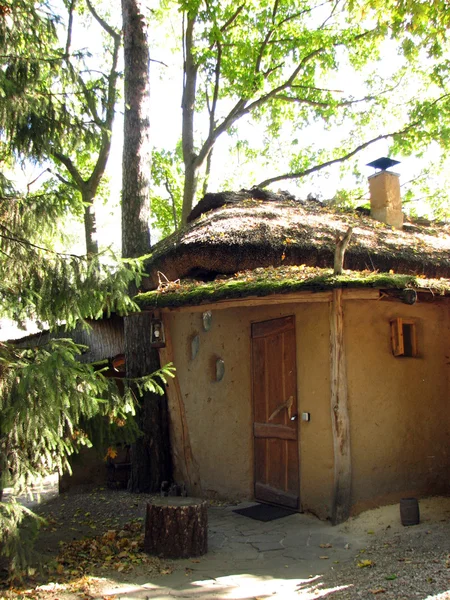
column 275, row 427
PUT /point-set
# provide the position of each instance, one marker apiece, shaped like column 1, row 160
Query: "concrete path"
column 250, row 559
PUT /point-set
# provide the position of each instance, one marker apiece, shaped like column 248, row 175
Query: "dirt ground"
column 95, row 538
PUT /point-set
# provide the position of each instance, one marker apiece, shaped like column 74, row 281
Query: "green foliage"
column 18, row 530
column 40, row 284
column 267, row 71
column 58, row 102
column 51, row 405
column 167, row 198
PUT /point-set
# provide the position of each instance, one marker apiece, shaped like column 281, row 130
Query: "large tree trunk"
column 136, row 148
column 188, row 109
column 151, row 453
column 150, row 457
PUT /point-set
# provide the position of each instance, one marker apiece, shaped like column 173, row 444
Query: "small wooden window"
column 403, row 337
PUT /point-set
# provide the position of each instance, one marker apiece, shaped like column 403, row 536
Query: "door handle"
column 288, row 405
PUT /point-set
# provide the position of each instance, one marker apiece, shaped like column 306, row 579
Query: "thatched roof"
column 103, row 338
column 245, row 232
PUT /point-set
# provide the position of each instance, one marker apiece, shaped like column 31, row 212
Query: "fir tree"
column 49, row 400
column 51, row 404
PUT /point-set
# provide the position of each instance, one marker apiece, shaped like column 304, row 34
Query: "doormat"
column 264, row 512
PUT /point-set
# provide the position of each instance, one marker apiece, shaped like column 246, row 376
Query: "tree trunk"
column 188, row 109
column 151, row 453
column 176, row 527
column 90, row 223
column 190, row 189
column 136, row 149
column 150, row 456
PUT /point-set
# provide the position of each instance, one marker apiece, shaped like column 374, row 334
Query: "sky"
column 166, row 88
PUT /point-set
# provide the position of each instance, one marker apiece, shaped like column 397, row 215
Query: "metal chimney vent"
column 383, row 163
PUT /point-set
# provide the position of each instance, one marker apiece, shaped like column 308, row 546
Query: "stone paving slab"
column 249, row 559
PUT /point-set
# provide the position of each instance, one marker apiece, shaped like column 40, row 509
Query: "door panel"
column 274, row 383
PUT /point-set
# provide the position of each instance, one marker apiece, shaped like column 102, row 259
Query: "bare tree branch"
column 112, row 32
column 23, row 242
column 74, row 172
column 344, row 157
column 69, row 27
column 62, row 179
column 262, row 50
column 233, row 17
column 159, row 62
column 35, row 179
column 172, row 198
column 212, row 114
column 369, row 98
column 300, row 13
column 330, row 15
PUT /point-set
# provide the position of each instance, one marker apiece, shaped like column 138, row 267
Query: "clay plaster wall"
column 400, row 421
column 219, row 414
column 399, row 406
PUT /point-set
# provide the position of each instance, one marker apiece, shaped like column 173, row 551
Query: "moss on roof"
column 270, row 280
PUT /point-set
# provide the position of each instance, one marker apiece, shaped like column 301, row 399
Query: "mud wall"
column 220, row 413
column 399, row 411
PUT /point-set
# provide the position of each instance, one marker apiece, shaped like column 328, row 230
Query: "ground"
column 91, row 547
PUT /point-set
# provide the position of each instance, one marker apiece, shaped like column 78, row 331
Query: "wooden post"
column 184, row 464
column 339, row 253
column 340, row 510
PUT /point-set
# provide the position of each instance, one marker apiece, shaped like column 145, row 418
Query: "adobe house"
column 295, row 386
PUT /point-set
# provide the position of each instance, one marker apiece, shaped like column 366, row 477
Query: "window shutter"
column 398, row 348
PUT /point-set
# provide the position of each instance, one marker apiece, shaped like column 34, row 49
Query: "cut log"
column 176, row 527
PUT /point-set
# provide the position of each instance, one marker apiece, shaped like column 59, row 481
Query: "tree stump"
column 176, row 527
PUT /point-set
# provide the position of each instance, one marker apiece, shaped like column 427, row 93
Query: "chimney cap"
column 383, row 163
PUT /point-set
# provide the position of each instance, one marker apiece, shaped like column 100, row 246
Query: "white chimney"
column 385, row 198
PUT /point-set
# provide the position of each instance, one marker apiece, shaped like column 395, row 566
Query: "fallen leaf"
column 391, row 577
column 378, row 591
column 325, row 546
column 324, row 557
column 365, row 563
